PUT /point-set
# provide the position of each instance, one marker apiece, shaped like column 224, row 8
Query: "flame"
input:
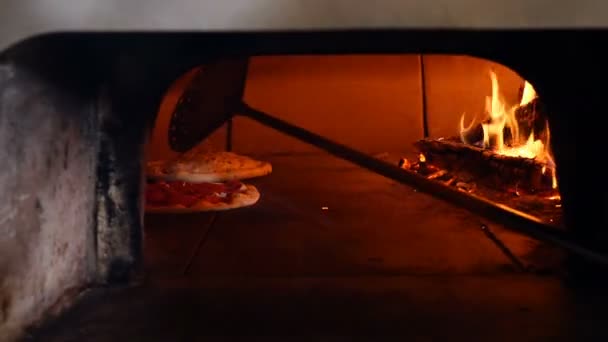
column 501, row 119
column 464, row 130
column 421, row 158
column 529, row 94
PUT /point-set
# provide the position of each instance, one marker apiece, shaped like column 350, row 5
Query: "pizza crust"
column 214, row 167
column 262, row 169
column 245, row 198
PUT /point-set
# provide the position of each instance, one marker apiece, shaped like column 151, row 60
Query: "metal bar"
column 512, row 218
column 425, row 118
column 503, row 248
column 200, row 243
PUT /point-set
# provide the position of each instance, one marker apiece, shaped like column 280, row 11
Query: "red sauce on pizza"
column 164, row 193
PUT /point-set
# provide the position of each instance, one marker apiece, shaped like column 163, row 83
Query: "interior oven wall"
column 370, row 102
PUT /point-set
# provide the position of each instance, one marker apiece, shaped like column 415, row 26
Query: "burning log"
column 485, row 166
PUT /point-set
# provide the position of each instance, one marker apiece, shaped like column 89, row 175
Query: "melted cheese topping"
column 200, row 161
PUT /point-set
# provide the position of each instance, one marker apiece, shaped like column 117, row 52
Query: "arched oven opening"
column 402, row 116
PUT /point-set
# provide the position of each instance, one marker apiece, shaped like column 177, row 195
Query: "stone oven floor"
column 332, row 251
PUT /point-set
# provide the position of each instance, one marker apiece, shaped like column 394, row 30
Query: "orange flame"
column 500, row 118
column 529, row 94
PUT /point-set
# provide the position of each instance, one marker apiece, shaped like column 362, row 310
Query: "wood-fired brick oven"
column 76, row 110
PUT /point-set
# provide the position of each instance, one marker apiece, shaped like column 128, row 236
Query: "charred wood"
column 485, row 166
column 532, row 118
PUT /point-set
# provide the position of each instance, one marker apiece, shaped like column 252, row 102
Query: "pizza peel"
column 207, row 103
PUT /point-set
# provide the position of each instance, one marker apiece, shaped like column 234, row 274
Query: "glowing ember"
column 501, row 119
column 404, row 163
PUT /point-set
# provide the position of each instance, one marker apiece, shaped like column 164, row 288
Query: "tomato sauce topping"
column 164, row 193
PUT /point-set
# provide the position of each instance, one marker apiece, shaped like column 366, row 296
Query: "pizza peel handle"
column 207, row 103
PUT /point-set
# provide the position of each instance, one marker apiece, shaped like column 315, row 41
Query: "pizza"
column 201, row 166
column 182, row 197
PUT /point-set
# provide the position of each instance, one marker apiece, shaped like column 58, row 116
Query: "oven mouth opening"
column 499, row 166
column 496, row 154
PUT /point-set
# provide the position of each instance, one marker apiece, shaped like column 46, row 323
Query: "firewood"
column 486, row 166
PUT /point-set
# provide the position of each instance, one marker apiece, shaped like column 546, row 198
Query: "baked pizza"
column 182, row 197
column 201, row 166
